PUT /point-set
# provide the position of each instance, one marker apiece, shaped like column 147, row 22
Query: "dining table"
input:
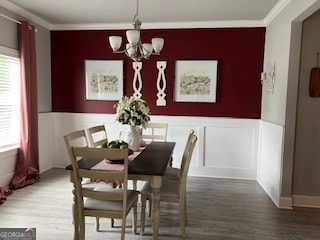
column 148, row 164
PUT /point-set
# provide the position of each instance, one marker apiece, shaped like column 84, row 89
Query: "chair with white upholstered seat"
column 98, row 138
column 79, row 139
column 102, row 202
column 172, row 190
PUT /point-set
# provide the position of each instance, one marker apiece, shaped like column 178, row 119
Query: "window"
column 9, row 97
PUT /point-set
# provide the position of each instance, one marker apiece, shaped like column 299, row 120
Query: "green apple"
column 124, row 146
column 114, row 145
column 105, row 145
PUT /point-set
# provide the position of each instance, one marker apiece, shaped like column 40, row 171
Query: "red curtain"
column 27, row 167
column 4, row 192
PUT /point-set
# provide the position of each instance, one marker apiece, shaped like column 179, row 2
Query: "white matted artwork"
column 104, row 79
column 196, row 81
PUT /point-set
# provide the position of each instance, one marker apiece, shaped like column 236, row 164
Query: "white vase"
column 136, row 137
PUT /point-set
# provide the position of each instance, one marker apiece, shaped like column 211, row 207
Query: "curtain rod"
column 9, row 18
column 16, row 21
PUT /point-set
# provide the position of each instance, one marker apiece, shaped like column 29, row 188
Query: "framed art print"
column 196, row 81
column 104, row 79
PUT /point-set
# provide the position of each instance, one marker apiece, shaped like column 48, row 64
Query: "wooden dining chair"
column 103, row 202
column 172, row 190
column 97, row 136
column 79, row 139
column 172, row 172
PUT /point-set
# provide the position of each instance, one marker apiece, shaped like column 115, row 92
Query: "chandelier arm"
column 134, row 58
column 141, row 49
column 121, row 51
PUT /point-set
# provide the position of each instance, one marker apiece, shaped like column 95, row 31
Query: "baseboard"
column 270, row 190
column 285, row 203
column 306, row 201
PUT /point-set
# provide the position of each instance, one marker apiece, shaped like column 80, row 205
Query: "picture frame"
column 195, row 81
column 104, row 79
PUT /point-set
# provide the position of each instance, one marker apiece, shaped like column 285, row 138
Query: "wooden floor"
column 217, row 209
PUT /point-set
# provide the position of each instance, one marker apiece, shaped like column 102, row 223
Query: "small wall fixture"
column 268, row 78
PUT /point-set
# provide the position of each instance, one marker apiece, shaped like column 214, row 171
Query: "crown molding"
column 25, row 13
column 163, row 25
column 280, row 5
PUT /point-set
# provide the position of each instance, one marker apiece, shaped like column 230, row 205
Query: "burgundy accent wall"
column 239, row 52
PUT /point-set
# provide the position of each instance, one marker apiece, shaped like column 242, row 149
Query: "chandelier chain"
column 136, row 16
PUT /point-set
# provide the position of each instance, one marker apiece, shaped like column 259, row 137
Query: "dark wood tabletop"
column 153, row 160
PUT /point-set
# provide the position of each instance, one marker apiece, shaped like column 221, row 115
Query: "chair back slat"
column 75, row 139
column 155, row 131
column 97, row 136
column 100, row 174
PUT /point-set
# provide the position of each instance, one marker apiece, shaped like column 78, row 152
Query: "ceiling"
column 63, row 14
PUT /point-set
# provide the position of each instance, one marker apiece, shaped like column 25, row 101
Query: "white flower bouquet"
column 132, row 111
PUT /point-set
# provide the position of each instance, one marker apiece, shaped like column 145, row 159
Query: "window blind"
column 9, row 98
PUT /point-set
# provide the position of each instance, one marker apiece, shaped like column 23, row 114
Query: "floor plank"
column 217, row 209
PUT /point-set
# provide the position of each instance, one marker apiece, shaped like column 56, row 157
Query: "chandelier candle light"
column 135, row 49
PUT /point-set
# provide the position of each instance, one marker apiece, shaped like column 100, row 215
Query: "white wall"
column 282, row 46
column 226, row 147
column 9, row 38
column 307, row 151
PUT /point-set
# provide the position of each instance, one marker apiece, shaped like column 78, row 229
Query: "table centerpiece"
column 135, row 113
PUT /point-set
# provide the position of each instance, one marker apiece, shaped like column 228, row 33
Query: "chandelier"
column 135, row 49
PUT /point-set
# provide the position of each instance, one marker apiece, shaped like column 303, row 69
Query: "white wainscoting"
column 226, row 147
column 46, row 158
column 7, row 166
column 270, row 161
